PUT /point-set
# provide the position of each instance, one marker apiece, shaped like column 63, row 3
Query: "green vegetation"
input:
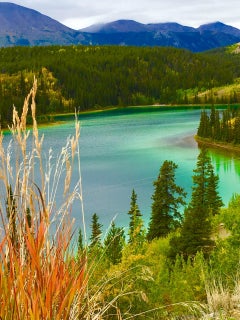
column 196, row 231
column 220, row 129
column 87, row 77
column 136, row 231
column 167, row 197
column 187, row 270
column 191, row 272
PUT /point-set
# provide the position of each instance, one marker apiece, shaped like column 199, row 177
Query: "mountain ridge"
column 21, row 26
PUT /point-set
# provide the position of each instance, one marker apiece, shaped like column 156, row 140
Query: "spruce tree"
column 214, row 122
column 212, row 117
column 80, row 241
column 95, row 239
column 114, row 243
column 213, row 197
column 226, row 126
column 136, row 224
column 167, row 198
column 236, row 132
column 197, row 229
column 217, row 127
column 11, row 209
column 204, row 129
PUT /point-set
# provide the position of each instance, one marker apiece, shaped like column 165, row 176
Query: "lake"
column 123, row 149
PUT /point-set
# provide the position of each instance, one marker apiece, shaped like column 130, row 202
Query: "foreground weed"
column 39, row 275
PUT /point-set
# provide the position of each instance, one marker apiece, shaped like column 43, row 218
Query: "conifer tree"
column 236, row 133
column 226, row 126
column 114, row 243
column 167, row 198
column 212, row 118
column 214, row 123
column 136, row 224
column 96, row 227
column 11, row 209
column 80, row 241
column 197, row 229
column 213, row 197
column 204, row 129
column 217, row 127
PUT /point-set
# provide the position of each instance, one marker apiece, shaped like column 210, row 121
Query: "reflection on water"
column 227, row 166
column 225, row 160
column 124, row 149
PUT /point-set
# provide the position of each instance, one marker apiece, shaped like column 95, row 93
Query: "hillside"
column 21, row 26
column 129, row 32
column 95, row 77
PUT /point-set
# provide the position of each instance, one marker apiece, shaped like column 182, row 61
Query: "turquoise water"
column 124, row 149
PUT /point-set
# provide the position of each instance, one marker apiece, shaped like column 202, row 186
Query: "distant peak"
column 117, row 26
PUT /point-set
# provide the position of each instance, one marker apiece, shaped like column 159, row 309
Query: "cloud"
column 78, row 14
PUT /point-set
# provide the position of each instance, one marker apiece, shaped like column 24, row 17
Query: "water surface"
column 124, row 149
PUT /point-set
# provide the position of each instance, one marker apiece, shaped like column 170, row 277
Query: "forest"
column 91, row 77
column 180, row 257
column 183, row 265
column 220, row 126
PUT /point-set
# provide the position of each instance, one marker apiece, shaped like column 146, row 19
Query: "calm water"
column 124, row 149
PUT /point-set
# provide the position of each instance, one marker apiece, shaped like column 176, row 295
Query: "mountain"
column 125, row 26
column 119, row 26
column 219, row 27
column 23, row 26
column 128, row 32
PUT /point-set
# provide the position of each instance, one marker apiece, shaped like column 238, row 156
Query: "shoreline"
column 112, row 108
column 218, row 145
column 156, row 105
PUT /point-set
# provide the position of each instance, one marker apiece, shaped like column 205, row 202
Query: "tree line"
column 179, row 245
column 194, row 227
column 172, row 260
column 222, row 126
column 88, row 77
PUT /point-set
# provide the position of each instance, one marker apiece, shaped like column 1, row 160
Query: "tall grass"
column 39, row 275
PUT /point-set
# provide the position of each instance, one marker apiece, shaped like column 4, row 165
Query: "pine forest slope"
column 101, row 76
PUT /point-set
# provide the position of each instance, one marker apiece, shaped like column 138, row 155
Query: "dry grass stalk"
column 40, row 278
column 39, row 275
column 222, row 302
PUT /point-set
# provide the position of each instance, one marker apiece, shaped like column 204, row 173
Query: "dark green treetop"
column 96, row 231
column 114, row 243
column 196, row 230
column 167, row 199
column 136, row 224
column 11, row 210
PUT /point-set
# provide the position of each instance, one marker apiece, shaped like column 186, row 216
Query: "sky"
column 78, row 14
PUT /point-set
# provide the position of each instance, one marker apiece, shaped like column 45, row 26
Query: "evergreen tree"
column 11, row 209
column 212, row 116
column 136, row 224
column 80, row 247
column 204, row 129
column 236, row 133
column 197, row 229
column 217, row 127
column 213, row 197
column 95, row 239
column 80, row 241
column 29, row 218
column 226, row 126
column 114, row 243
column 167, row 198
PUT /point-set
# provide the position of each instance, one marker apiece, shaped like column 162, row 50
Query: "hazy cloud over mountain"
column 80, row 14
